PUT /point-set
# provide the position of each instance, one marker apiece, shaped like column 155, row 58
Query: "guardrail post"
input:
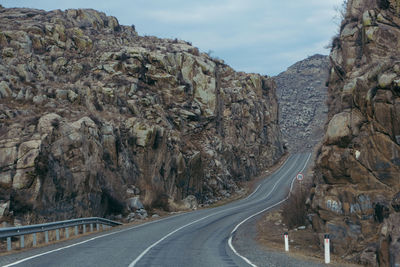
column 8, row 243
column 22, row 241
column 286, row 241
column 327, row 249
column 34, row 239
column 20, row 232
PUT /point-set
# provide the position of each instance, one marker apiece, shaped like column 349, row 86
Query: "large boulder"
column 134, row 203
column 190, row 202
column 99, row 117
column 396, row 202
column 358, row 165
column 5, row 90
column 338, row 131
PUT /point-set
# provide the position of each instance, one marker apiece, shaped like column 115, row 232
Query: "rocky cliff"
column 302, row 93
column 94, row 117
column 357, row 195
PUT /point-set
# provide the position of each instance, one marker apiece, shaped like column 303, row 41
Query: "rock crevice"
column 357, row 167
column 93, row 115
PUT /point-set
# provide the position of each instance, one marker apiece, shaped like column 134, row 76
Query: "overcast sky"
column 262, row 36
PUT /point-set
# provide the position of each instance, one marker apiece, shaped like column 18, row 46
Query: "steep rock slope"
column 302, row 93
column 93, row 116
column 357, row 195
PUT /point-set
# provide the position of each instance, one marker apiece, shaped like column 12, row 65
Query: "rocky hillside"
column 357, row 197
column 302, row 93
column 94, row 118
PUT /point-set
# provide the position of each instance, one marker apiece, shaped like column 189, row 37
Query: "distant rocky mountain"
column 357, row 195
column 94, row 118
column 302, row 93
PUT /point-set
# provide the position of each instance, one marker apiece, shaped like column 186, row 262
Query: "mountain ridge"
column 302, row 93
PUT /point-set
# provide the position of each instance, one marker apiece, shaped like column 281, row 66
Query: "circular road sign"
column 299, row 176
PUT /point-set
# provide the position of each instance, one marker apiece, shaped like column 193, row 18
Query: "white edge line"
column 123, row 230
column 267, row 208
column 154, row 244
column 234, row 251
column 88, row 240
column 58, row 249
column 253, row 192
column 133, row 263
column 267, row 177
column 138, row 258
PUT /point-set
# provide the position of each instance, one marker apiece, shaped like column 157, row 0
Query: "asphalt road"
column 198, row 238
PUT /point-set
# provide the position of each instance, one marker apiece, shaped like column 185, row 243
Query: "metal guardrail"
column 21, row 231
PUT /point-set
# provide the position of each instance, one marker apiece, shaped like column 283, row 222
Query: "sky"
column 261, row 36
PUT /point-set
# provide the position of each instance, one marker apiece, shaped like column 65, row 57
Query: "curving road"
column 198, row 238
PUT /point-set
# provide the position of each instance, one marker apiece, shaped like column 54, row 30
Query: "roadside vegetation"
column 295, row 208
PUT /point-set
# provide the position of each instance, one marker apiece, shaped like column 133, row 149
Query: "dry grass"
column 295, row 208
column 160, row 200
column 303, row 244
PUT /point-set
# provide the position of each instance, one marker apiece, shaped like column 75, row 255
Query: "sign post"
column 300, row 178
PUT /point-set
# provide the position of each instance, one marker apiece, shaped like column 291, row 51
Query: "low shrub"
column 294, row 209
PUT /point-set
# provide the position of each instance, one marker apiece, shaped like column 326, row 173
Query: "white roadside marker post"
column 327, row 249
column 286, row 241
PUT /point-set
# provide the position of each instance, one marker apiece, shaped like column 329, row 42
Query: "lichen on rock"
column 358, row 165
column 90, row 110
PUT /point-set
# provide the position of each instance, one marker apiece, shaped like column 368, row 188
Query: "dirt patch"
column 303, row 243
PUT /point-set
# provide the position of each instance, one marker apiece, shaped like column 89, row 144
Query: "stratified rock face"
column 358, row 167
column 93, row 116
column 302, row 94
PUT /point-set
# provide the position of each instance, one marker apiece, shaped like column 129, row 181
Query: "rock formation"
column 356, row 198
column 94, row 117
column 302, row 93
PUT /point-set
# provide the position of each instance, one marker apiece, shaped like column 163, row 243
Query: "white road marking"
column 237, row 253
column 248, row 218
column 253, row 192
column 88, row 240
column 154, row 244
column 186, row 225
column 133, row 263
column 261, row 183
column 138, row 258
column 58, row 249
column 123, row 230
